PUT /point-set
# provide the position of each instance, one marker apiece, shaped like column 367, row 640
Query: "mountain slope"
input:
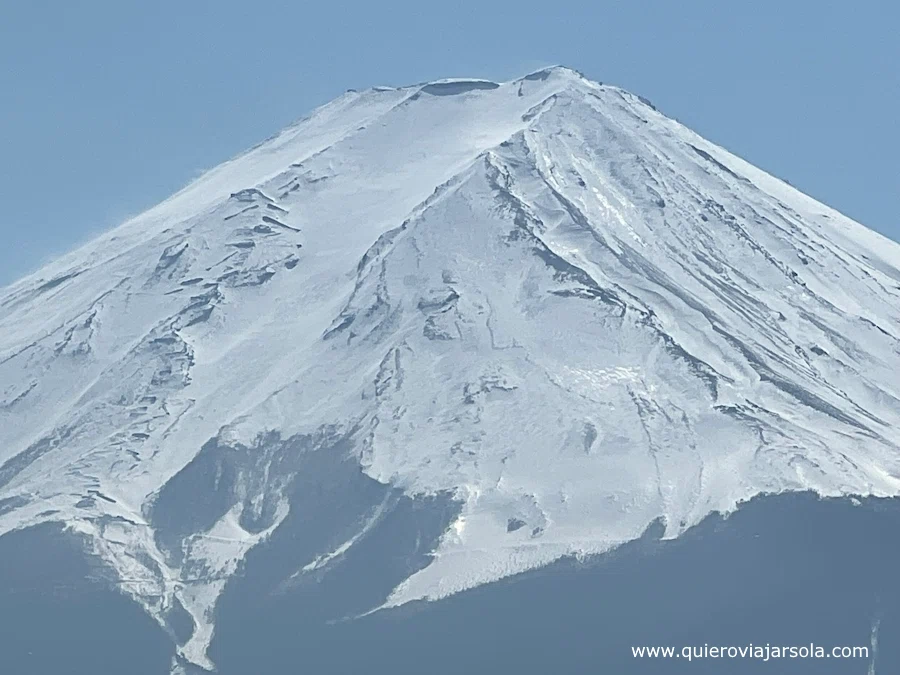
column 542, row 299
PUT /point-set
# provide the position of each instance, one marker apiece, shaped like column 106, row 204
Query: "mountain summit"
column 523, row 320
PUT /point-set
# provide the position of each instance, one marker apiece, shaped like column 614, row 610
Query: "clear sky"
column 109, row 106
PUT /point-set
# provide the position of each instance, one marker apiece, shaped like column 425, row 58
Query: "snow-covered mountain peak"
column 541, row 297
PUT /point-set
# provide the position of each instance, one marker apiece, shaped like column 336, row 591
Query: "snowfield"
column 541, row 297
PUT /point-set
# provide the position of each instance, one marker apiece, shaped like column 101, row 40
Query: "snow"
column 542, row 296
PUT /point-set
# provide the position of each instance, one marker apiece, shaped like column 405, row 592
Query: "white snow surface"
column 543, row 296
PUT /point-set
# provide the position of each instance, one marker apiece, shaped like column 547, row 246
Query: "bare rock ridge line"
column 541, row 302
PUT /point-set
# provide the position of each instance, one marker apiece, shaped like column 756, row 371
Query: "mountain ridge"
column 542, row 298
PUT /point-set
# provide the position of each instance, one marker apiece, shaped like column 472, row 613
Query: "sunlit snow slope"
column 543, row 298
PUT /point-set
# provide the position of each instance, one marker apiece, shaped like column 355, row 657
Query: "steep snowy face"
column 543, row 298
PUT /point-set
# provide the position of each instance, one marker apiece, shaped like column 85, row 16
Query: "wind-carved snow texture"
column 543, row 298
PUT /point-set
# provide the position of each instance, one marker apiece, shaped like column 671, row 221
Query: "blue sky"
column 109, row 106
